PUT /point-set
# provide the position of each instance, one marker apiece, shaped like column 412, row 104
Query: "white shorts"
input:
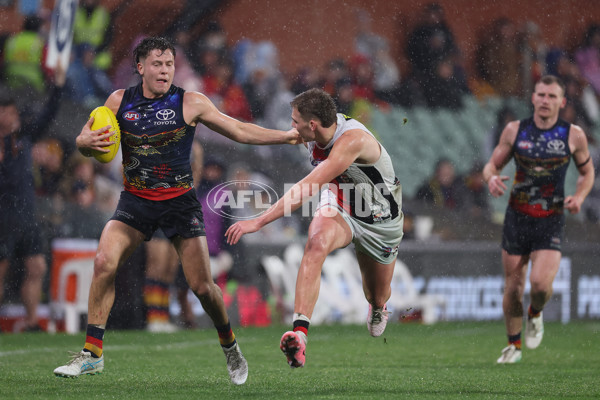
column 379, row 241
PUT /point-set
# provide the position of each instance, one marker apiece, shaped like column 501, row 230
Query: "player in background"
column 157, row 121
column 542, row 147
column 361, row 203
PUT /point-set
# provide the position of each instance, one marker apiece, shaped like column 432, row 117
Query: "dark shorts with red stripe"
column 179, row 216
column 524, row 234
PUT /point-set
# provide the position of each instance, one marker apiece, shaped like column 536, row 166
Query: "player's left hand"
column 573, row 204
column 240, row 228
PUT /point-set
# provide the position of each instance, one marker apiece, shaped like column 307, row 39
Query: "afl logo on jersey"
column 525, row 145
column 131, row 116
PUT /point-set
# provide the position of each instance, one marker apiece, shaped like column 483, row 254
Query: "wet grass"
column 442, row 361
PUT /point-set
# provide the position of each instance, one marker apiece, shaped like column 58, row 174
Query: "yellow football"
column 103, row 116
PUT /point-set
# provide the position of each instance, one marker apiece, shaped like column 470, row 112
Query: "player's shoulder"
column 354, row 137
column 192, row 97
column 577, row 136
column 510, row 132
column 114, row 100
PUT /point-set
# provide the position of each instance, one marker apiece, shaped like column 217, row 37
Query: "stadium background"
column 313, row 32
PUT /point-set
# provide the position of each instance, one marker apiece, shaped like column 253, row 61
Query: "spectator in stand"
column 212, row 41
column 533, row 56
column 86, row 83
column 582, row 99
column 19, row 238
column 78, row 189
column 443, row 189
column 93, row 26
column 588, row 57
column 344, row 96
column 386, row 74
column 437, row 76
column 474, row 199
column 187, row 77
column 499, row 59
column 441, row 90
column 23, row 58
column 227, row 95
column 361, row 73
column 47, row 156
column 305, row 78
column 430, row 42
column 263, row 78
column 125, row 74
column 335, row 70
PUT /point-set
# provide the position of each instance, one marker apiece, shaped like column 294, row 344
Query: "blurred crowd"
column 74, row 195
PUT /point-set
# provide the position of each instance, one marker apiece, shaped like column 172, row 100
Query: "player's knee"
column 540, row 290
column 317, row 244
column 104, row 267
column 204, row 290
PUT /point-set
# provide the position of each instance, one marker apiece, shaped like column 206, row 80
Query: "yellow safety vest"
column 23, row 60
column 91, row 30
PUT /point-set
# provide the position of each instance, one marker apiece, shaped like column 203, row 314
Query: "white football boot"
column 510, row 355
column 81, row 363
column 377, row 320
column 534, row 332
column 237, row 366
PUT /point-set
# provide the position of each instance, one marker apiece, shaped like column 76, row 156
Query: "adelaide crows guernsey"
column 370, row 193
column 156, row 143
column 542, row 158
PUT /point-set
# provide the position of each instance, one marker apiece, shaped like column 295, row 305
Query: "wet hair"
column 143, row 49
column 550, row 79
column 316, row 104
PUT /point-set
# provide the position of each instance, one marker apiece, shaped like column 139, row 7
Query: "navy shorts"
column 181, row 215
column 19, row 239
column 524, row 234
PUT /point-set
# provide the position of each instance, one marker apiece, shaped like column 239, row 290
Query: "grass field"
column 442, row 361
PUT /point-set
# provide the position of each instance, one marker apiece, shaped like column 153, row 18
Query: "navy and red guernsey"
column 156, row 143
column 542, row 158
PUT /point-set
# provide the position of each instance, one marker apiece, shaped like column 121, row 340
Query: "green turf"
column 442, row 361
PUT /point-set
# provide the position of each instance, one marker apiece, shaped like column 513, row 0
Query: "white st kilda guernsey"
column 370, row 193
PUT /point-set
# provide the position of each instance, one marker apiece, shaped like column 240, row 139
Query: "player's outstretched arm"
column 345, row 151
column 199, row 109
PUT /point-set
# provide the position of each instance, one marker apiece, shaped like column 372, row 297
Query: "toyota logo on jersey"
column 165, row 115
column 556, row 146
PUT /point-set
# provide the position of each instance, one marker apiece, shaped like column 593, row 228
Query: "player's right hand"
column 496, row 185
column 94, row 139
